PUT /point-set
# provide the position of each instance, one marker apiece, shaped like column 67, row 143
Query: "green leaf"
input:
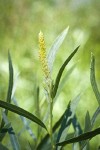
column 61, row 71
column 10, row 87
column 55, row 47
column 22, row 112
column 67, row 119
column 84, row 136
column 93, row 80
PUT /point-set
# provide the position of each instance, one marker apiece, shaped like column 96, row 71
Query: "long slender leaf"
column 21, row 112
column 61, row 71
column 93, row 80
column 10, row 87
column 55, row 47
column 84, row 136
column 13, row 138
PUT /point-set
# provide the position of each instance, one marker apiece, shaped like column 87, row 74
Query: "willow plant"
column 56, row 133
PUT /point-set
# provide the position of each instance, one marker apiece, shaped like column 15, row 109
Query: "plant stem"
column 51, row 107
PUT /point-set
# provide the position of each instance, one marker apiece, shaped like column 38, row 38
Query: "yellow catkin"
column 42, row 55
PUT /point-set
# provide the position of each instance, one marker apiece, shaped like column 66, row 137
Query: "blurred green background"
column 20, row 23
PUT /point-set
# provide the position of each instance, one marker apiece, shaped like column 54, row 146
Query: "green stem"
column 51, row 107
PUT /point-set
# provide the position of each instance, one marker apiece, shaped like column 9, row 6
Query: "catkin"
column 42, row 55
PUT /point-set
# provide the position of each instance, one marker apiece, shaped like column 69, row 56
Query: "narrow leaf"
column 21, row 112
column 61, row 71
column 10, row 87
column 93, row 80
column 84, row 136
column 55, row 47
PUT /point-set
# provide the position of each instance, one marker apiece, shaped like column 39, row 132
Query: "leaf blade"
column 21, row 112
column 61, row 71
column 55, row 47
column 84, row 136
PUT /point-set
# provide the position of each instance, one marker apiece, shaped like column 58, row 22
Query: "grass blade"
column 22, row 112
column 55, row 47
column 93, row 80
column 61, row 71
column 84, row 136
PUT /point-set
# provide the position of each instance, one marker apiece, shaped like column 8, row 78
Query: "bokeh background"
column 20, row 23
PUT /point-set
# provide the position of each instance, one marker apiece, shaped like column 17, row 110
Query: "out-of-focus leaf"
column 61, row 71
column 93, row 80
column 13, row 138
column 55, row 47
column 87, row 122
column 84, row 136
column 67, row 120
column 22, row 112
